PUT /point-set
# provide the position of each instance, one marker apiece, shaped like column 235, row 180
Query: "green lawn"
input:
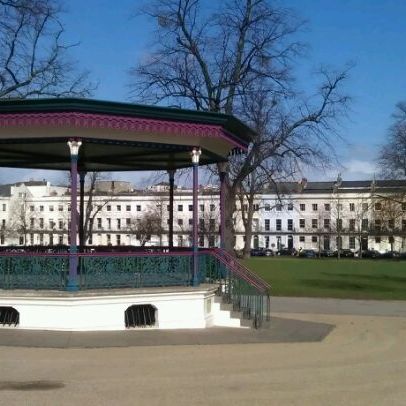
column 345, row 278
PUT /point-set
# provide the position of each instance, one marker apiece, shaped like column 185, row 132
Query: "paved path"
column 361, row 362
column 280, row 330
column 338, row 306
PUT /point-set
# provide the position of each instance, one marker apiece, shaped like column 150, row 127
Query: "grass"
column 329, row 277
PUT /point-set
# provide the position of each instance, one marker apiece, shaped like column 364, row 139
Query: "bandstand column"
column 82, row 175
column 195, row 240
column 74, row 146
column 223, row 167
column 171, row 173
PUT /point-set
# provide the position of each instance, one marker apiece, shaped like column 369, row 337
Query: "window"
column 391, row 224
column 327, row 206
column 201, row 240
column 352, row 207
column 41, row 208
column 118, row 239
column 352, row 224
column 41, row 239
column 301, row 238
column 364, row 206
column 109, row 224
column 378, row 225
column 351, row 245
column 201, row 207
column 267, row 225
column 290, row 206
column 278, row 207
column 212, row 224
column 128, row 207
column 60, row 207
column 245, row 207
column 5, row 207
column 314, row 223
column 180, row 240
column 290, row 224
column 180, row 207
column 378, row 206
column 31, row 239
column 118, row 224
column 314, row 238
column 327, row 224
column 403, row 206
column 364, row 224
column 191, row 222
column 21, row 240
column 32, row 208
column 339, row 224
column 190, row 207
column 302, row 207
column 201, row 223
column 128, row 222
column 213, row 207
column 60, row 240
column 108, row 236
column 278, row 224
column 99, row 223
column 403, row 225
column 108, row 207
column 180, row 222
column 31, row 223
column 138, row 207
column 51, row 223
column 41, row 223
column 119, row 207
column 302, row 223
column 51, row 208
column 378, row 240
column 60, row 224
column 267, row 241
column 168, row 208
column 51, row 239
column 314, row 206
column 267, row 207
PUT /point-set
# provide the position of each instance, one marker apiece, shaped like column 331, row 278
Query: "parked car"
column 261, row 252
column 327, row 253
column 389, row 255
column 286, row 252
column 308, row 254
column 344, row 253
column 368, row 254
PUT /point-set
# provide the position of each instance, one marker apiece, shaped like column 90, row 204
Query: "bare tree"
column 146, row 226
column 392, row 156
column 237, row 60
column 33, row 55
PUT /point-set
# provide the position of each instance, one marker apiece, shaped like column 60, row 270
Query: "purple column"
column 74, row 146
column 171, row 173
column 222, row 174
column 195, row 241
column 82, row 175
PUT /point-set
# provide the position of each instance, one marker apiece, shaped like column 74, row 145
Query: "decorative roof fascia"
column 120, row 123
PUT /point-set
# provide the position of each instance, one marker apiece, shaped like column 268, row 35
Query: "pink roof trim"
column 113, row 122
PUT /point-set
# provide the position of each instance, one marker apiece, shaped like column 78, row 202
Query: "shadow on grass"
column 386, row 278
column 345, row 285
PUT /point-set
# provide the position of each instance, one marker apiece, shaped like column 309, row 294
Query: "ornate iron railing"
column 134, row 270
column 33, row 271
column 239, row 286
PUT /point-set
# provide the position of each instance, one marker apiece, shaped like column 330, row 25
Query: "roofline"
column 228, row 122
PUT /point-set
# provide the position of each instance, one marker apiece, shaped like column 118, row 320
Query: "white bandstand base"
column 98, row 310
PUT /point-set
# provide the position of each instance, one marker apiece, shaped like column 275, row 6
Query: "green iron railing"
column 246, row 291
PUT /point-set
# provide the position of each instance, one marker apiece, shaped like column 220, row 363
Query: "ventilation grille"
column 140, row 316
column 9, row 316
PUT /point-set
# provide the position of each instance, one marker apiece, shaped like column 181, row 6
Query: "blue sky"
column 369, row 33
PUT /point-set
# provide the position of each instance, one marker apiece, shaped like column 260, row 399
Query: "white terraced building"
column 307, row 215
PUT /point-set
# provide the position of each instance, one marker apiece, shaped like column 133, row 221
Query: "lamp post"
column 74, row 146
column 223, row 167
column 196, row 152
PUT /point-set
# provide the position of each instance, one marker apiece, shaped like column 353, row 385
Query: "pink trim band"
column 113, row 122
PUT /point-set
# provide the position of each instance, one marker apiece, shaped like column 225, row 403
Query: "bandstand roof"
column 115, row 136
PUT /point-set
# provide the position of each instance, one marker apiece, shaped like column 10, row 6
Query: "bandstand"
column 160, row 287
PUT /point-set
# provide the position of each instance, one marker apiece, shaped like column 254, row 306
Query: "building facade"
column 300, row 215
